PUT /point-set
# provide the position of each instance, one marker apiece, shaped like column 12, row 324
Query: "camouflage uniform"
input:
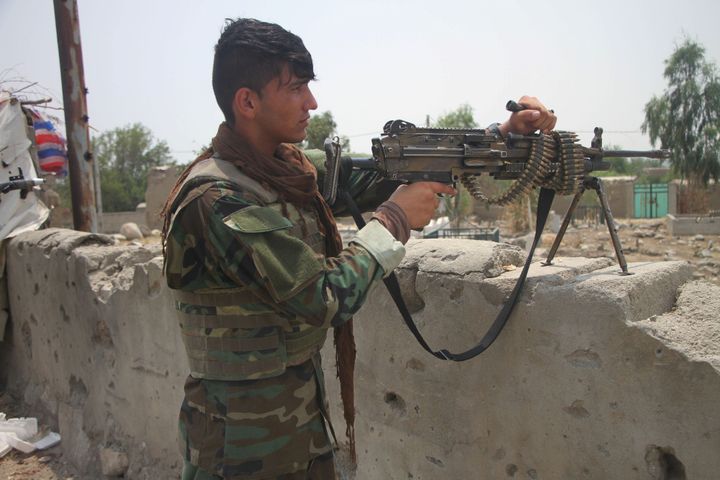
column 255, row 295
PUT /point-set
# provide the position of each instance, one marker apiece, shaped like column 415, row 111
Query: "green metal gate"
column 651, row 200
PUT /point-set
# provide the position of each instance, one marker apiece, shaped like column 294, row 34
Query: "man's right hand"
column 420, row 200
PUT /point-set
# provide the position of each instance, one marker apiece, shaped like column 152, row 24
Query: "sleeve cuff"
column 380, row 243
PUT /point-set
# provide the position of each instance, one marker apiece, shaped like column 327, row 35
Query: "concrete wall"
column 160, row 182
column 594, row 376
column 112, row 221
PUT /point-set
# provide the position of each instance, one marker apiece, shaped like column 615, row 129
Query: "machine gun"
column 554, row 162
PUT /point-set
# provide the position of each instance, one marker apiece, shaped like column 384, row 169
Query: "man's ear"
column 245, row 103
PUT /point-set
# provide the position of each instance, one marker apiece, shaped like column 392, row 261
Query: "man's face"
column 284, row 109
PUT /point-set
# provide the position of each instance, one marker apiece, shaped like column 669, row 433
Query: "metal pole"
column 80, row 158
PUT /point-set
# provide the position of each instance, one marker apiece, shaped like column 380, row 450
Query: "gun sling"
column 543, row 209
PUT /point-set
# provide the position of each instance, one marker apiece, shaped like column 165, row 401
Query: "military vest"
column 232, row 334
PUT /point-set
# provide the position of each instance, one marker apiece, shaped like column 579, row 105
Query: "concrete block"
column 690, row 225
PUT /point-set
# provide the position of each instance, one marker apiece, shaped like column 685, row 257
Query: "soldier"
column 258, row 269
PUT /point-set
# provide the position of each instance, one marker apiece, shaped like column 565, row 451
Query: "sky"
column 595, row 63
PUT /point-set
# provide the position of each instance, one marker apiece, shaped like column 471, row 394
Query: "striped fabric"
column 52, row 154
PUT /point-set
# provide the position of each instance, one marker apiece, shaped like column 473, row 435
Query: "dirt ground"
column 39, row 465
column 642, row 240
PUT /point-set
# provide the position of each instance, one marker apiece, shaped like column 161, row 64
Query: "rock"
column 155, row 232
column 145, row 230
column 131, row 231
column 699, row 237
column 118, row 237
column 703, row 253
column 113, row 463
column 659, row 236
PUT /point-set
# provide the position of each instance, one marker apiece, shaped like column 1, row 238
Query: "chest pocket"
column 284, row 262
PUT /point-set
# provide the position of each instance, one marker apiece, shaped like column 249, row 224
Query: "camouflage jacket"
column 261, row 428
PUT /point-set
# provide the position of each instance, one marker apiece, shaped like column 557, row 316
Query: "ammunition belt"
column 556, row 162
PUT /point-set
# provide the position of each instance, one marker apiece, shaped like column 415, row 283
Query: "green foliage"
column 686, row 117
column 323, row 126
column 125, row 156
column 461, row 117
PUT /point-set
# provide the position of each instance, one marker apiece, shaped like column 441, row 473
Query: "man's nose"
column 310, row 102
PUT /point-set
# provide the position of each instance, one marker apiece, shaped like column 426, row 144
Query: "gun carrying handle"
column 513, row 106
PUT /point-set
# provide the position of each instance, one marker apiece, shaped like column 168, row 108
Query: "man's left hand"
column 535, row 117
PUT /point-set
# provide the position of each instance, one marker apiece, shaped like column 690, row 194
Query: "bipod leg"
column 563, row 227
column 596, row 184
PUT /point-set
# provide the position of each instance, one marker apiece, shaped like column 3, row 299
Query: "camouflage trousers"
column 320, row 468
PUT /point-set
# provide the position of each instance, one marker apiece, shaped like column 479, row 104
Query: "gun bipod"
column 595, row 184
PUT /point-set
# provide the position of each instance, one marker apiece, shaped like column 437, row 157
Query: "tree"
column 686, row 117
column 461, row 117
column 125, row 156
column 323, row 126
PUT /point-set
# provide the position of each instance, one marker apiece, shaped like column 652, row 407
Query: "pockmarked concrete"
column 596, row 375
column 95, row 350
column 576, row 386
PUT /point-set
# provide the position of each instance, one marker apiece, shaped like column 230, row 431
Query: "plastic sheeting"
column 17, row 215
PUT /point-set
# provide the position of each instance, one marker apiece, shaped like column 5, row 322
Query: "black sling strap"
column 391, row 282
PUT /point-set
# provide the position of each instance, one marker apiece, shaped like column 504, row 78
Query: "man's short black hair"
column 251, row 53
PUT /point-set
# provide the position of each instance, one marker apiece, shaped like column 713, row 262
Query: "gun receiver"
column 556, row 160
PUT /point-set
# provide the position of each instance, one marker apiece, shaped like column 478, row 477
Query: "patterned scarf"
column 294, row 178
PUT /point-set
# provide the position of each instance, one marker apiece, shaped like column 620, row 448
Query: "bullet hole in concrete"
column 434, row 461
column 65, row 316
column 28, row 269
column 101, row 334
column 45, row 276
column 33, row 320
column 511, row 469
column 662, row 464
column 396, row 402
column 415, row 364
column 27, row 337
column 577, row 410
column 584, row 358
column 456, row 292
column 36, row 289
column 57, row 357
column 499, row 454
column 392, row 359
column 78, row 391
column 72, row 283
column 659, row 352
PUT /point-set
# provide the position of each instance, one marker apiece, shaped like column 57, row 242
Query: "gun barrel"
column 627, row 153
